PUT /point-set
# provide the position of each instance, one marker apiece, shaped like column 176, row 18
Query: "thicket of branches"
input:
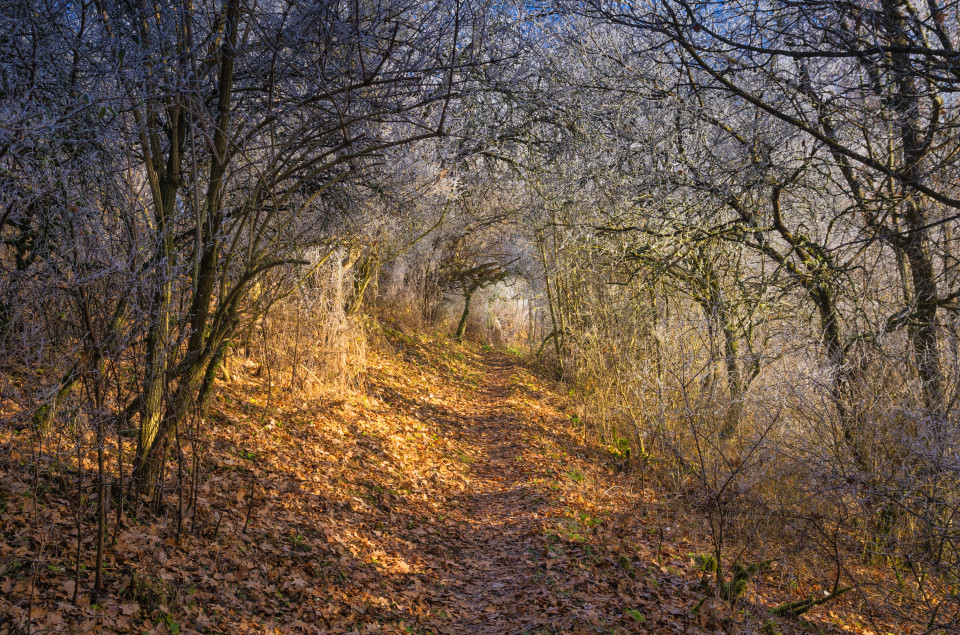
column 748, row 245
column 730, row 226
column 171, row 175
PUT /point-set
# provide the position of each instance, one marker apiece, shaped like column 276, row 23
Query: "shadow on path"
column 496, row 576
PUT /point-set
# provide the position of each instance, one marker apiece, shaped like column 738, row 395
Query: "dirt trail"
column 517, row 545
column 451, row 495
column 500, row 518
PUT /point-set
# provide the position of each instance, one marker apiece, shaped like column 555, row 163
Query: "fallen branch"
column 802, row 606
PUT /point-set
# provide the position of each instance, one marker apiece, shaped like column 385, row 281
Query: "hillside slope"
column 451, row 496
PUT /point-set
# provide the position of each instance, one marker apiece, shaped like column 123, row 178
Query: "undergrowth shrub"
column 858, row 506
column 305, row 340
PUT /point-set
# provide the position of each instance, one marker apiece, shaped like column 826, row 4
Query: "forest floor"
column 452, row 494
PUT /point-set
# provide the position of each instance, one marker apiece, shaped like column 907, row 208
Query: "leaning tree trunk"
column 552, row 304
column 149, row 462
column 155, row 379
column 150, row 455
column 462, row 326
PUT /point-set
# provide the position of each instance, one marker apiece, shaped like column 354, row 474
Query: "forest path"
column 494, row 581
column 519, row 545
column 450, row 493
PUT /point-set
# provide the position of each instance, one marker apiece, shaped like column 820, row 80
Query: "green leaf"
column 171, row 624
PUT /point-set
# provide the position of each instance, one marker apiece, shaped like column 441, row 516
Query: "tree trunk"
column 155, row 379
column 462, row 327
column 146, row 470
column 152, row 449
column 923, row 329
column 735, row 384
column 915, row 243
column 557, row 324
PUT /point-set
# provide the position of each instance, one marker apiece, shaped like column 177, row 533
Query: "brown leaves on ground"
column 453, row 496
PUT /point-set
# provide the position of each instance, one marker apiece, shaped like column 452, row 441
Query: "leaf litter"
column 452, row 495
